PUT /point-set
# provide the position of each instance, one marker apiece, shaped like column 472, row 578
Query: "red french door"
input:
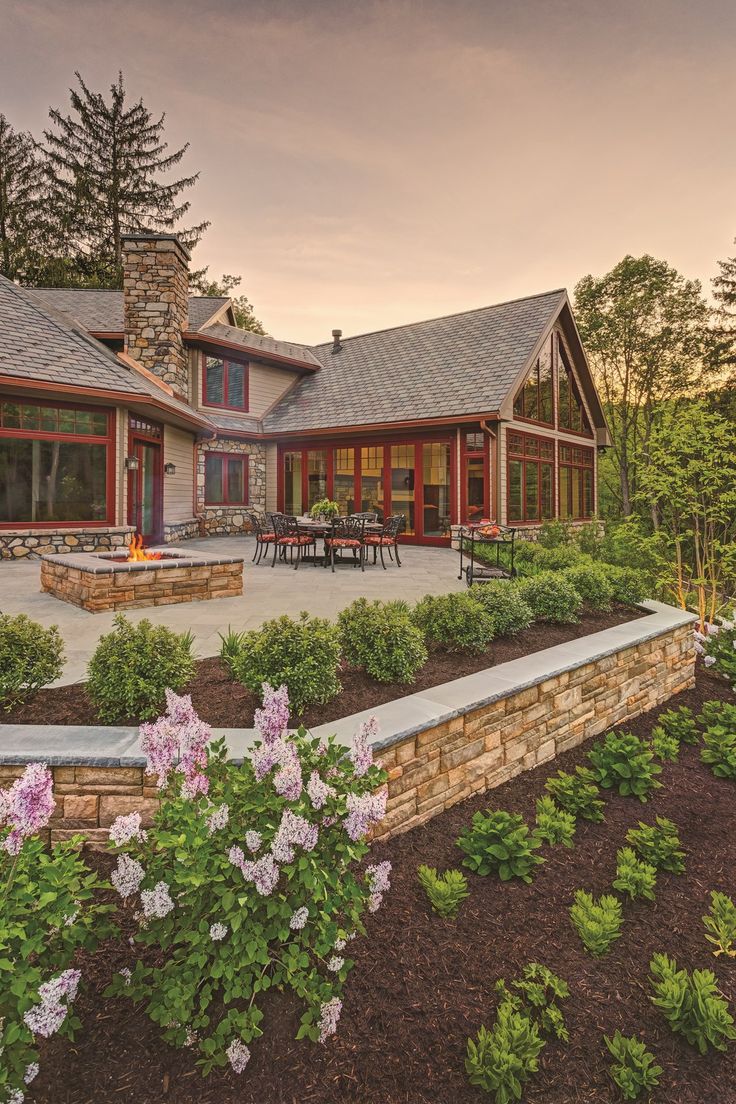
column 145, row 484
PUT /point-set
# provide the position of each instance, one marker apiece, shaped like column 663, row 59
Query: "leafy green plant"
column 577, row 793
column 30, row 657
column 634, row 1067
column 133, row 666
column 503, row 601
column 629, row 586
column 664, row 745
column 658, row 844
column 720, row 649
column 500, row 842
column 536, row 994
column 456, row 621
column 302, row 655
column 551, row 597
column 249, row 880
column 598, row 923
column 691, row 1004
column 556, row 533
column 446, row 892
column 232, row 645
column 381, row 638
column 720, row 924
column 633, row 876
column 501, row 1060
column 325, row 508
column 719, row 738
column 553, row 824
column 624, row 762
column 679, row 723
column 592, row 584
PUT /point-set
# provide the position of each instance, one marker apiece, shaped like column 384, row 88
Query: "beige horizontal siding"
column 266, row 386
column 272, row 454
column 178, row 488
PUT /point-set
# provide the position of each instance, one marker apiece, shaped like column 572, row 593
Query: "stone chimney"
column 155, row 306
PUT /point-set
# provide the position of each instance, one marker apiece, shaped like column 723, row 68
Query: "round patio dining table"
column 324, row 528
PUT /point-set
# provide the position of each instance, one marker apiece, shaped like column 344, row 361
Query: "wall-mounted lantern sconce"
column 170, row 469
column 132, row 463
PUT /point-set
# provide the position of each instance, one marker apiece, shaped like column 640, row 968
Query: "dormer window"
column 534, row 402
column 225, row 383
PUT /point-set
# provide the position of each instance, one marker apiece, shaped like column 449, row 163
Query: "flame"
column 136, row 551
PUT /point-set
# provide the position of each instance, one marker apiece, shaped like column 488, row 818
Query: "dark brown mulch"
column 422, row 985
column 226, row 704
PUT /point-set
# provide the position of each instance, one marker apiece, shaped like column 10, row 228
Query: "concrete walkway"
column 267, row 593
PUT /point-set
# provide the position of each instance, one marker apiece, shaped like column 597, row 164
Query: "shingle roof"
column 43, row 345
column 259, row 343
column 238, row 423
column 461, row 364
column 101, row 311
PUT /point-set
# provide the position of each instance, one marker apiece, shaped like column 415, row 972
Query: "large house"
column 149, row 410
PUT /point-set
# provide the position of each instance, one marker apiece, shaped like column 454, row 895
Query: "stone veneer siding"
column 41, row 542
column 218, row 520
column 156, row 306
column 441, row 763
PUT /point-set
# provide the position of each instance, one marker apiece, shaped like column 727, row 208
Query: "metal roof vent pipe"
column 336, row 346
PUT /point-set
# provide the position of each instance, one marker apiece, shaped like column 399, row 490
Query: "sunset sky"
column 368, row 164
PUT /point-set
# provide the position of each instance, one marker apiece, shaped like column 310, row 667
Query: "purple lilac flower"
column 329, row 1014
column 293, row 831
column 178, row 735
column 65, row 985
column 364, row 810
column 340, row 944
column 127, row 876
column 266, row 757
column 218, row 932
column 31, row 1073
column 235, row 856
column 238, row 1055
column 361, row 753
column 699, row 649
column 379, row 883
column 272, row 721
column 156, row 902
column 218, row 819
column 299, row 918
column 318, row 790
column 17, row 1096
column 47, row 1017
column 264, row 873
column 126, row 828
column 709, row 660
column 336, row 964
column 288, row 780
column 126, row 974
column 253, row 841
column 27, row 806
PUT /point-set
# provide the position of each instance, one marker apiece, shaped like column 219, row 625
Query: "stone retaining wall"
column 33, row 543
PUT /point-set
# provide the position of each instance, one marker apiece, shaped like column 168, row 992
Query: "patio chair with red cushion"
column 263, row 531
column 387, row 538
column 347, row 535
column 289, row 537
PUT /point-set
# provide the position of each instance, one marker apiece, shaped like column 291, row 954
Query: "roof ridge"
column 442, row 317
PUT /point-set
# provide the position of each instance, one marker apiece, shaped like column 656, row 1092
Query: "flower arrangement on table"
column 326, row 508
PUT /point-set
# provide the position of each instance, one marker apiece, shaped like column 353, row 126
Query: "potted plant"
column 325, row 510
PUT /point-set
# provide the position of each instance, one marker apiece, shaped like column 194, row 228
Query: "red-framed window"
column 225, row 479
column 474, row 477
column 224, row 383
column 57, row 464
column 530, row 463
column 534, row 401
column 577, row 481
column 571, row 414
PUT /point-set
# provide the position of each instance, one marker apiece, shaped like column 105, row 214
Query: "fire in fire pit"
column 137, row 553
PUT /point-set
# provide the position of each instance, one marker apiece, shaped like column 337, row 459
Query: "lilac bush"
column 249, row 878
column 47, row 913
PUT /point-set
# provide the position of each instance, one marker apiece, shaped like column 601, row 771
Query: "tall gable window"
column 534, row 402
column 571, row 412
column 531, row 477
column 225, row 383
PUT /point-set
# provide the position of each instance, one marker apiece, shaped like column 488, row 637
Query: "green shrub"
column 598, row 923
column 556, row 533
column 589, row 539
column 658, row 845
column 720, row 648
column 634, row 1068
column 551, row 597
column 501, row 843
column 624, row 762
column 679, row 723
column 629, row 586
column 456, row 621
column 325, row 508
column 30, row 657
column 634, row 876
column 692, row 1005
column 446, row 892
column 132, row 668
column 501, row 1060
column 502, row 600
column 553, row 824
column 720, row 924
column 664, row 745
column 382, row 638
column 304, row 655
column 231, row 646
column 592, row 584
column 719, row 738
column 577, row 793
column 536, row 994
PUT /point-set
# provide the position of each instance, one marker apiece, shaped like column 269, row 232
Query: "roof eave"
column 209, row 342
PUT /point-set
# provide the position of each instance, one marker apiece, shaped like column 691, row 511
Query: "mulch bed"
column 226, row 704
column 422, row 985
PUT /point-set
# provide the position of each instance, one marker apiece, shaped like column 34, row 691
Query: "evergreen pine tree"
column 245, row 317
column 724, row 292
column 22, row 219
column 106, row 161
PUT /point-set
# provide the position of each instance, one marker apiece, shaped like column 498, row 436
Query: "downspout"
column 493, row 469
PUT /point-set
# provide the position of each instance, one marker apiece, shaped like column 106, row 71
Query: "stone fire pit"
column 99, row 581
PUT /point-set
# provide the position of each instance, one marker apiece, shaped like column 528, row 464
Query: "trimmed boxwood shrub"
column 382, row 638
column 304, row 654
column 30, row 657
column 132, row 668
column 531, row 557
column 592, row 584
column 551, row 596
column 458, row 621
column 502, row 599
column 629, row 585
